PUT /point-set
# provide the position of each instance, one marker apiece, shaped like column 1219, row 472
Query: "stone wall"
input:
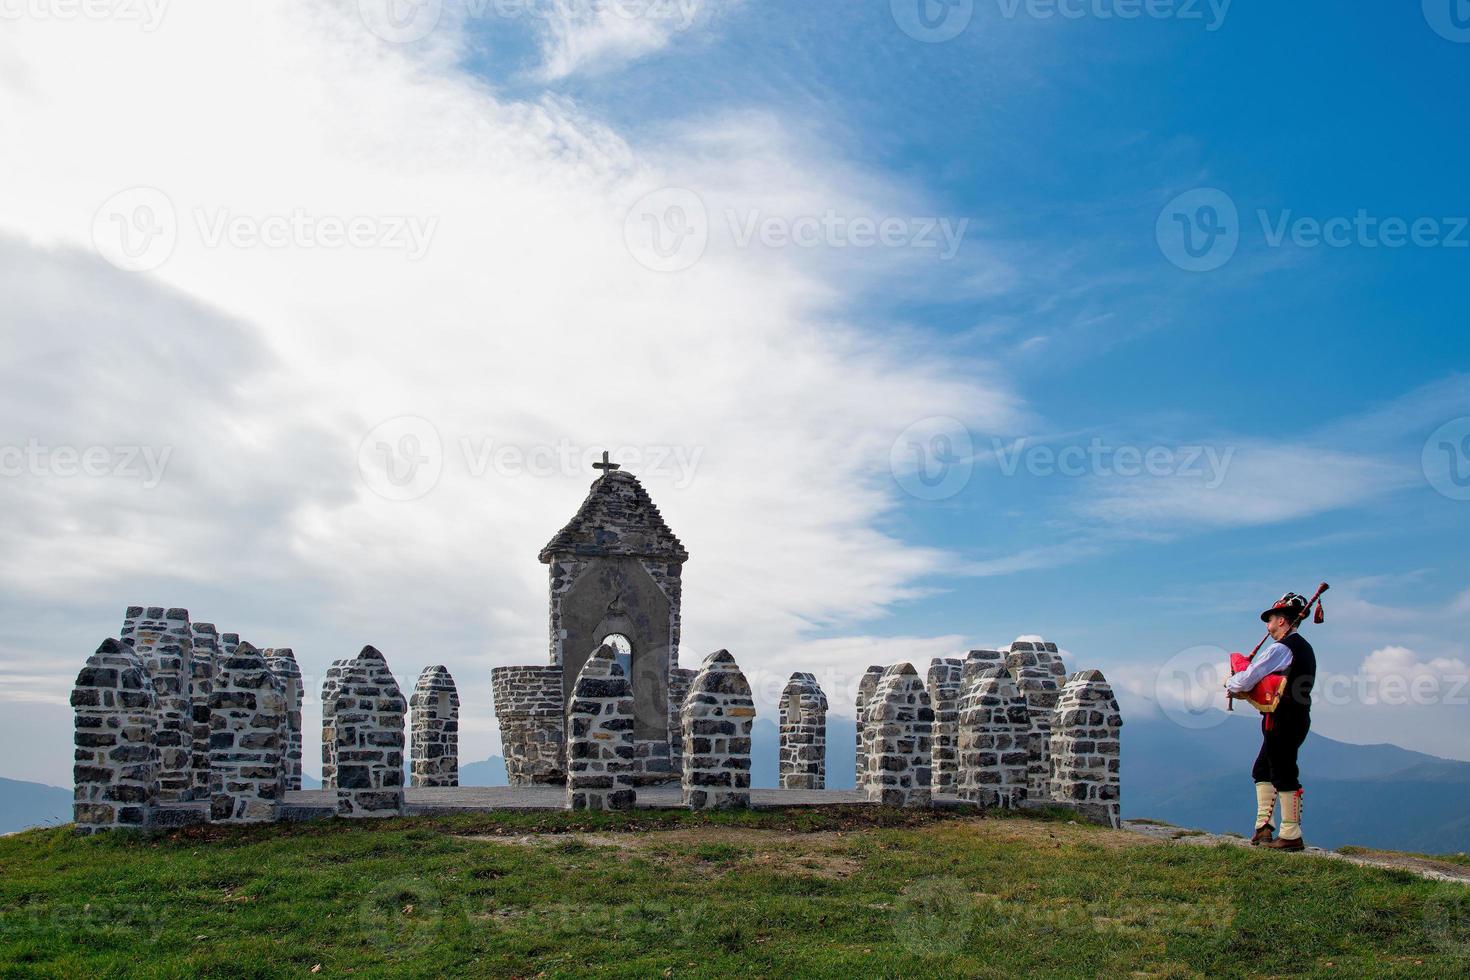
column 600, row 754
column 944, row 692
column 866, row 686
column 1085, row 747
column 680, row 680
column 369, row 723
column 282, row 662
column 899, row 731
column 247, row 740
column 206, row 652
column 1040, row 688
column 331, row 684
column 116, row 758
column 803, row 763
column 530, row 710
column 434, row 727
column 164, row 642
column 717, row 718
column 994, row 731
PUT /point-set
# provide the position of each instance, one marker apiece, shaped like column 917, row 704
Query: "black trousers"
column 1276, row 763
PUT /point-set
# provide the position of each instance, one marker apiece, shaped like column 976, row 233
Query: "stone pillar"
column 1051, row 658
column 717, row 718
column 331, row 684
column 601, row 759
column 1084, row 748
column 282, row 662
column 247, row 741
column 434, row 724
column 368, row 720
column 944, row 691
column 866, row 686
column 803, row 734
column 1040, row 689
column 116, row 761
column 994, row 731
column 164, row 642
column 206, row 653
column 898, row 733
column 532, row 716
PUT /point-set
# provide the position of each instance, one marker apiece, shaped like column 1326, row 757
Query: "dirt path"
column 1424, row 867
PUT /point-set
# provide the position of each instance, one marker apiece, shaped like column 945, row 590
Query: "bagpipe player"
column 1278, row 681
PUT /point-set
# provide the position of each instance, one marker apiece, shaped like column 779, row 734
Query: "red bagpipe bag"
column 1266, row 695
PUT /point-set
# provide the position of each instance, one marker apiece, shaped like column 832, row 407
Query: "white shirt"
column 1275, row 659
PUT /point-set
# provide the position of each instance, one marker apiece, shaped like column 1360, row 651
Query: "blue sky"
column 524, row 151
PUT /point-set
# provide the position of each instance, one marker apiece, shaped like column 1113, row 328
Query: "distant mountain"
column 25, row 805
column 490, row 772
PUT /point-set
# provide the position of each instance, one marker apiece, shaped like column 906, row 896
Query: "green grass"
column 839, row 892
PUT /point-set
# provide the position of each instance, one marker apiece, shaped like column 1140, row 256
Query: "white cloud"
column 528, row 322
column 587, row 36
column 1253, row 484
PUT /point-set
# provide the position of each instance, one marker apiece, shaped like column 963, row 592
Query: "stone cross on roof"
column 606, row 464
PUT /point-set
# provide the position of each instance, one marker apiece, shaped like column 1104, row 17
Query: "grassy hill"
column 835, row 892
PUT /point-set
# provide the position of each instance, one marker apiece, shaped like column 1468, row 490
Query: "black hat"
column 1291, row 605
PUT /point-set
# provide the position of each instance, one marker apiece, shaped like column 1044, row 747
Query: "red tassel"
column 1319, row 616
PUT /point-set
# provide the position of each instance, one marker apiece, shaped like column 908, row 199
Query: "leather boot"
column 1291, row 824
column 1265, row 805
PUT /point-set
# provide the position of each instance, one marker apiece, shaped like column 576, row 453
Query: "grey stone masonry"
column 164, row 642
column 898, row 733
column 1085, row 747
column 331, row 683
column 531, row 713
column 994, row 730
column 116, row 760
column 206, row 652
column 368, row 720
column 717, row 717
column 434, row 728
column 866, row 686
column 247, row 740
column 944, row 690
column 680, row 680
column 600, row 754
column 1040, row 688
column 282, row 662
column 803, row 734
